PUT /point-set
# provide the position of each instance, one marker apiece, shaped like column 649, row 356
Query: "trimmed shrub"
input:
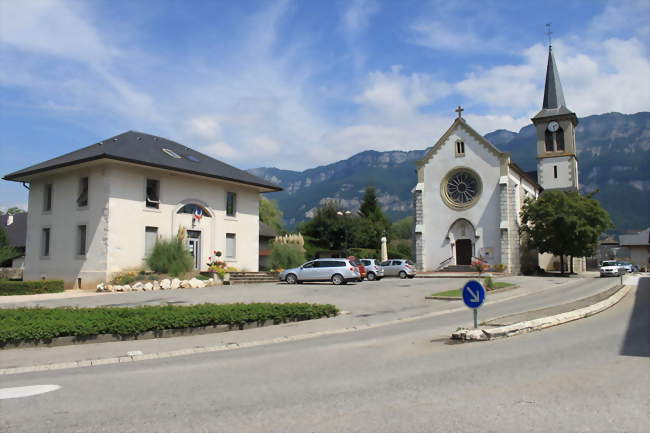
column 8, row 288
column 364, row 253
column 488, row 283
column 170, row 257
column 284, row 256
column 35, row 324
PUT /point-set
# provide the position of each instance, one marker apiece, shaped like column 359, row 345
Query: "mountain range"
column 613, row 155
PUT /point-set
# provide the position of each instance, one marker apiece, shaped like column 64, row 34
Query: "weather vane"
column 549, row 33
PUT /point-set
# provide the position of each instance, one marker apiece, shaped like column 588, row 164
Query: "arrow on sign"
column 475, row 295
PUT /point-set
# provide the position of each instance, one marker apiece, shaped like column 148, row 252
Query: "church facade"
column 469, row 194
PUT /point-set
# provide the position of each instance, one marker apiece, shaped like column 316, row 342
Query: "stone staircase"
column 458, row 268
column 253, row 277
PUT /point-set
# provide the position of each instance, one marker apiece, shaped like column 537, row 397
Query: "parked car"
column 374, row 270
column 362, row 269
column 629, row 267
column 399, row 268
column 338, row 271
column 611, row 268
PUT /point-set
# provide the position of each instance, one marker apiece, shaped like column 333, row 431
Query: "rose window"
column 461, row 188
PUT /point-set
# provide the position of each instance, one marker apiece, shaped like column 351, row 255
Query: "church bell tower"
column 557, row 163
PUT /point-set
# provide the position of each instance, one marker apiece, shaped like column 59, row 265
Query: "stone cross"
column 459, row 110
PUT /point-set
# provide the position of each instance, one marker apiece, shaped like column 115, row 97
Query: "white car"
column 611, row 268
column 374, row 270
column 338, row 271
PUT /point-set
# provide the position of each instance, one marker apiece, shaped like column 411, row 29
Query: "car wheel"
column 402, row 274
column 291, row 279
column 337, row 279
column 371, row 276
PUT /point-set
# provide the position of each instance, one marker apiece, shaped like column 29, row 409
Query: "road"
column 589, row 375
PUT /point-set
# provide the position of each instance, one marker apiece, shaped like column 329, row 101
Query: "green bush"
column 488, row 283
column 8, row 288
column 170, row 257
column 364, row 253
column 35, row 324
column 284, row 256
column 125, row 278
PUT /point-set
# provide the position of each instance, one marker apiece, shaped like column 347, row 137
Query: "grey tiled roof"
column 553, row 104
column 146, row 149
column 16, row 231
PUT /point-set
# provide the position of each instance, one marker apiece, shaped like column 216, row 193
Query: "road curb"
column 484, row 334
column 460, row 298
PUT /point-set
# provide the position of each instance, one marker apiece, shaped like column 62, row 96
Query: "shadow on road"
column 637, row 338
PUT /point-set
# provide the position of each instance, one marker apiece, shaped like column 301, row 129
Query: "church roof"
column 149, row 150
column 553, row 104
column 460, row 122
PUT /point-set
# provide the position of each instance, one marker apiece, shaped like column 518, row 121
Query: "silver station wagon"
column 338, row 271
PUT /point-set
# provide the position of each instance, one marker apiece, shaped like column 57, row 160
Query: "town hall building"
column 469, row 193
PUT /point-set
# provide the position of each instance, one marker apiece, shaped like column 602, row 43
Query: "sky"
column 297, row 84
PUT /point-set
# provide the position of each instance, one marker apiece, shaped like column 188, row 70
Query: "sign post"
column 473, row 296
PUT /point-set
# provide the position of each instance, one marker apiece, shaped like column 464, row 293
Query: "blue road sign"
column 473, row 294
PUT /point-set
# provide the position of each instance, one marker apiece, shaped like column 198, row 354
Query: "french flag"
column 198, row 214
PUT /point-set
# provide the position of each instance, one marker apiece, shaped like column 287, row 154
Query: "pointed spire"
column 553, row 95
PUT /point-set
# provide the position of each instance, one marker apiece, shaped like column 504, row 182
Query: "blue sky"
column 296, row 84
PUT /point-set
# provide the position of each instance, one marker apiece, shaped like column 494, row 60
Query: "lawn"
column 459, row 293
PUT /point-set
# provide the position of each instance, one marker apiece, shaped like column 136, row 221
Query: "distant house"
column 99, row 210
column 638, row 245
column 15, row 227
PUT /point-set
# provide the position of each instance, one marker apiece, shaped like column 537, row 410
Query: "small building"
column 638, row 245
column 99, row 210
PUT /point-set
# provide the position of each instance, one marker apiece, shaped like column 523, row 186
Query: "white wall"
column 484, row 215
column 566, row 171
column 63, row 261
column 129, row 216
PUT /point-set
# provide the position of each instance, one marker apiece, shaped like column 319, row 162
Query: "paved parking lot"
column 387, row 295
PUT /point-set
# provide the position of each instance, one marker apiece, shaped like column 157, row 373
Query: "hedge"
column 35, row 324
column 8, row 288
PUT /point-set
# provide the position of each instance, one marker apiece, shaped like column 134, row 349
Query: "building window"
column 45, row 243
column 82, row 198
column 460, row 148
column 231, row 204
column 559, row 140
column 548, row 140
column 47, row 198
column 153, row 193
column 555, row 171
column 81, row 240
column 150, row 238
column 195, row 209
column 231, row 246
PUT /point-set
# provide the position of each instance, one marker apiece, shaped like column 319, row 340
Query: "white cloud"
column 630, row 15
column 358, row 14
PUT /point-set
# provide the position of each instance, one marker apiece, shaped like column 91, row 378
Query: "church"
column 469, row 193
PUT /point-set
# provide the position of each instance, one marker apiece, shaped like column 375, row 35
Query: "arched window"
column 559, row 140
column 548, row 140
column 192, row 208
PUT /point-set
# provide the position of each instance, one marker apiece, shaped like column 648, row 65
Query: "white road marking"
column 26, row 391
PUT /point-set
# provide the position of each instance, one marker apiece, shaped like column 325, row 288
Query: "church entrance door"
column 463, row 252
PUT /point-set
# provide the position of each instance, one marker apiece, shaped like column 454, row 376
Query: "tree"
column 7, row 252
column 326, row 228
column 564, row 223
column 14, row 210
column 270, row 214
column 372, row 224
column 403, row 229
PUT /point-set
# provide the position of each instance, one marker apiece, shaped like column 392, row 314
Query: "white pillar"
column 384, row 249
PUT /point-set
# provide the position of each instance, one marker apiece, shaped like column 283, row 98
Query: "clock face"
column 553, row 126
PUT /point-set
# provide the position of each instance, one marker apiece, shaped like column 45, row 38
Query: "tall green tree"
column 403, row 229
column 14, row 210
column 7, row 252
column 326, row 229
column 374, row 223
column 271, row 215
column 564, row 224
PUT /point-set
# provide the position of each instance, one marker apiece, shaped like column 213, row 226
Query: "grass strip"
column 36, row 324
column 10, row 288
column 454, row 292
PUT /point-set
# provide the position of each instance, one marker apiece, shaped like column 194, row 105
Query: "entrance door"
column 194, row 247
column 463, row 252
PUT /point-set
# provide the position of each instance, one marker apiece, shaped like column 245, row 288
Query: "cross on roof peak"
column 459, row 110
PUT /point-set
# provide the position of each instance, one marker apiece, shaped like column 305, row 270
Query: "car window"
column 408, row 262
column 386, row 263
column 397, row 262
column 366, row 262
column 308, row 265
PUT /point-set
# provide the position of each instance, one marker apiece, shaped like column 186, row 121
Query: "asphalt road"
column 588, row 375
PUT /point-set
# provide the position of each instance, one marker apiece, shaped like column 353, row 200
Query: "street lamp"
column 345, row 226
